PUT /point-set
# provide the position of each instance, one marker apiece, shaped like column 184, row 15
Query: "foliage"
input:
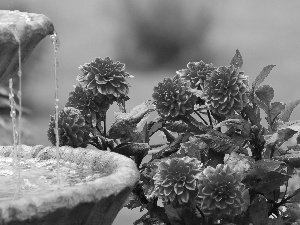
column 220, row 165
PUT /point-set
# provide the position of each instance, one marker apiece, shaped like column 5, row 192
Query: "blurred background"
column 154, row 39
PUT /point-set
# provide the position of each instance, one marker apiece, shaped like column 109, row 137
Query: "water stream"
column 55, row 41
column 17, row 125
column 16, row 168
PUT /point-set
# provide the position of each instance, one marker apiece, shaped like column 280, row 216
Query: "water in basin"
column 39, row 177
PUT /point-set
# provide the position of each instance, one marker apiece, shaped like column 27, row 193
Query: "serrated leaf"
column 261, row 77
column 177, row 126
column 275, row 109
column 286, row 113
column 265, row 93
column 237, row 60
column 219, row 142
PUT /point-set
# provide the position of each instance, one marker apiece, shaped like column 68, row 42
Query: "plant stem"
column 209, row 117
column 201, row 117
column 104, row 124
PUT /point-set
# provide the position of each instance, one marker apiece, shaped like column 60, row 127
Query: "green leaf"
column 276, row 221
column 273, row 195
column 275, row 109
column 148, row 219
column 259, row 211
column 253, row 114
column 236, row 124
column 145, row 133
column 219, row 142
column 292, row 158
column 261, row 77
column 169, row 136
column 177, row 126
column 265, row 175
column 156, row 125
column 136, row 114
column 172, row 148
column 133, row 202
column 172, row 215
column 265, row 94
column 284, row 132
column 190, row 215
column 286, row 113
column 293, row 210
column 295, row 196
column 237, row 60
column 132, row 149
column 280, row 136
column 261, row 104
column 271, row 181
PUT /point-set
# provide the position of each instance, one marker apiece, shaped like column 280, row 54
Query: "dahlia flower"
column 173, row 97
column 226, row 90
column 72, row 128
column 92, row 107
column 196, row 73
column 103, row 76
column 176, row 180
column 220, row 191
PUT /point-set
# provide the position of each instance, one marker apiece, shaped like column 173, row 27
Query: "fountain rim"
column 124, row 175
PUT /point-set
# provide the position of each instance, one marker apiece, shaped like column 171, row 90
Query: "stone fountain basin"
column 98, row 202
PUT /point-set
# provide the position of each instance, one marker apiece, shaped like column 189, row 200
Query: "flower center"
column 223, row 191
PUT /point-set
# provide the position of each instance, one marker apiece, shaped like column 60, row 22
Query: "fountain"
column 93, row 202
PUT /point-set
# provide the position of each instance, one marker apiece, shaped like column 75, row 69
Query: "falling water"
column 15, row 138
column 56, row 43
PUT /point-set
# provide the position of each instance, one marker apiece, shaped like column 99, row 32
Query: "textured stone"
column 97, row 202
column 28, row 29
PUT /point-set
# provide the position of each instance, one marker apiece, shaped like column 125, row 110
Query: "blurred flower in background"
column 164, row 33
